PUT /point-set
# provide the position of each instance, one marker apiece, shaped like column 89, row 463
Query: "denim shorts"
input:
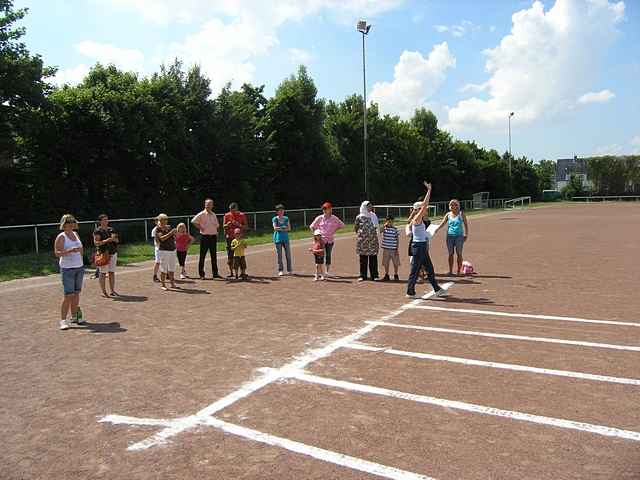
column 72, row 280
column 455, row 241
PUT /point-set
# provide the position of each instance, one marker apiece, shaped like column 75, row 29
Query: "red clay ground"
column 168, row 355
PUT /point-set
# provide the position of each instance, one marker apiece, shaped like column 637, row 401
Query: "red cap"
column 327, row 205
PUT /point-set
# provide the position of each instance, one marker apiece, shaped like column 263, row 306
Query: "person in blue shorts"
column 455, row 220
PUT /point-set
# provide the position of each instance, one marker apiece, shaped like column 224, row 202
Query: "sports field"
column 529, row 370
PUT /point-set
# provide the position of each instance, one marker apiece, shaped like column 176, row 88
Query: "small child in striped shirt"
column 390, row 249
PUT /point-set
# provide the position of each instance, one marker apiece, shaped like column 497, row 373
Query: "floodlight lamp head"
column 362, row 27
column 511, row 114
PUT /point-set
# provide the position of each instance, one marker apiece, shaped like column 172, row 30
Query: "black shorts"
column 319, row 259
column 240, row 262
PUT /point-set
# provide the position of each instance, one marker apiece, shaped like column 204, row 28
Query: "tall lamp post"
column 364, row 28
column 510, row 115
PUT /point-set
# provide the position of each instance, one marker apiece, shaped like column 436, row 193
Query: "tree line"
column 135, row 145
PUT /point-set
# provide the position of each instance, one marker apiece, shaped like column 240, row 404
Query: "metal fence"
column 16, row 239
column 608, row 198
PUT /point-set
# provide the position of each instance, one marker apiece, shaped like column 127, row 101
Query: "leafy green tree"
column 294, row 127
column 546, row 171
column 574, row 188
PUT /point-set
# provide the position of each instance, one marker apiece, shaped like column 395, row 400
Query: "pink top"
column 208, row 222
column 327, row 226
column 182, row 242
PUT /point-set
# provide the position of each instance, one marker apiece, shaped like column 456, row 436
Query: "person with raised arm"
column 419, row 250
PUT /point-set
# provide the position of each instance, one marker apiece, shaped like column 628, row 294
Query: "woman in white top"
column 419, row 251
column 68, row 248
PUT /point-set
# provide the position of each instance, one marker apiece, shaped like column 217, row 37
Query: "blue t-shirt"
column 454, row 225
column 280, row 236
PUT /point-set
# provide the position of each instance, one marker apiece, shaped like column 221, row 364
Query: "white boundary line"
column 271, row 375
column 510, row 337
column 315, row 452
column 524, row 315
column 505, row 366
column 470, row 407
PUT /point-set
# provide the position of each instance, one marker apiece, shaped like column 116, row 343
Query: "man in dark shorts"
column 233, row 219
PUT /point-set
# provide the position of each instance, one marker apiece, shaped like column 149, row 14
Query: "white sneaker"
column 182, row 277
column 280, row 274
column 64, row 325
column 411, row 296
column 442, row 292
column 315, row 279
column 321, row 278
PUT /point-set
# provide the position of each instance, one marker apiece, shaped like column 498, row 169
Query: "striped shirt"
column 390, row 238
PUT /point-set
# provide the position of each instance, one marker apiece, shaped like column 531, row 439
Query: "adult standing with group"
column 207, row 223
column 419, row 250
column 366, row 227
column 68, row 248
column 233, row 219
column 328, row 224
column 106, row 240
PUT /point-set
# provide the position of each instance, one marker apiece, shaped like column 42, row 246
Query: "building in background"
column 565, row 167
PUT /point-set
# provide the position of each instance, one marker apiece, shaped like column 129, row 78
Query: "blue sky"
column 569, row 69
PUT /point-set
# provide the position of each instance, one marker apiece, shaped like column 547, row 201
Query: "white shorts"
column 111, row 266
column 156, row 253
column 167, row 261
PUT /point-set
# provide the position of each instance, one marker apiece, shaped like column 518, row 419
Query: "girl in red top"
column 183, row 240
column 318, row 253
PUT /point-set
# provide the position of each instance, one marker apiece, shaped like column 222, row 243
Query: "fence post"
column 304, row 217
column 35, row 233
column 146, row 230
column 255, row 221
column 344, row 214
column 188, row 226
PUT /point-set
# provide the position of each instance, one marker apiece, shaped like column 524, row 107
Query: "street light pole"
column 363, row 28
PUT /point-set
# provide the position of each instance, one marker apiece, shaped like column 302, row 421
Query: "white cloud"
column 543, row 64
column 415, row 80
column 635, row 141
column 125, row 58
column 596, row 97
column 164, row 12
column 233, row 33
column 458, row 30
column 475, row 87
column 613, row 149
column 298, row 56
column 70, row 76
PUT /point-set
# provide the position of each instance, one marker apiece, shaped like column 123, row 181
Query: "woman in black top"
column 106, row 239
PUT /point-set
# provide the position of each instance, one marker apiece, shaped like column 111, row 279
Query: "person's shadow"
column 112, row 327
column 130, row 298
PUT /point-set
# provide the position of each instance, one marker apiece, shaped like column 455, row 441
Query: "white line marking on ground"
column 315, row 452
column 142, row 422
column 511, row 337
column 470, row 407
column 525, row 315
column 267, row 376
column 504, row 366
